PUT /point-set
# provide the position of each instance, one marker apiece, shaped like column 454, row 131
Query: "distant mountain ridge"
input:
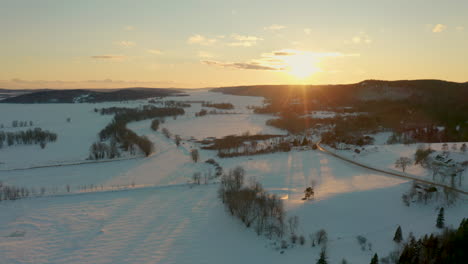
column 362, row 91
column 88, row 96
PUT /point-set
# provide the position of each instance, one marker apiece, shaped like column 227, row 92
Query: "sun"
column 301, row 66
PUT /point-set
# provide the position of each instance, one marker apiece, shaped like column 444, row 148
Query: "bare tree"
column 195, row 155
column 463, row 148
column 403, row 163
column 293, row 223
column 445, row 148
column 166, row 132
column 322, row 237
column 177, row 140
column 196, row 177
column 454, row 147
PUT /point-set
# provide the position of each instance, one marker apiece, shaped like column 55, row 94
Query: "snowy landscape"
column 139, row 208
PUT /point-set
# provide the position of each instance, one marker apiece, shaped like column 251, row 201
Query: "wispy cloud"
column 284, row 53
column 233, row 40
column 244, row 41
column 108, row 57
column 307, row 31
column 439, row 28
column 125, row 43
column 280, row 60
column 460, row 28
column 128, row 28
column 154, row 51
column 201, row 40
column 240, row 65
column 274, row 27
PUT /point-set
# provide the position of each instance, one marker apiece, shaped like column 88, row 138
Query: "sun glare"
column 302, row 65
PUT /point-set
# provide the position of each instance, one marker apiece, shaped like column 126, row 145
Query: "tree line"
column 251, row 204
column 247, row 145
column 204, row 112
column 18, row 123
column 117, row 129
column 447, row 247
column 226, row 106
column 27, row 137
column 264, row 212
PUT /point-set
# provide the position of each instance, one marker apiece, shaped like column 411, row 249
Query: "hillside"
column 90, row 96
column 392, row 105
column 365, row 90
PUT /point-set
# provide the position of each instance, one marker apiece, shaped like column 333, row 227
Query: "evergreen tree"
column 375, row 259
column 323, row 257
column 398, row 235
column 440, row 218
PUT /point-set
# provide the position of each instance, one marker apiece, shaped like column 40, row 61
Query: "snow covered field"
column 161, row 219
column 384, row 156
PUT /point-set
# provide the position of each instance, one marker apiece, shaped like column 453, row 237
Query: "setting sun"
column 301, row 66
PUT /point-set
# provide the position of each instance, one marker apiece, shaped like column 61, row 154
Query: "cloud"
column 307, row 31
column 125, row 43
column 154, row 51
column 304, row 53
column 460, row 28
column 283, row 53
column 233, row 40
column 201, row 40
column 244, row 41
column 439, row 28
column 108, row 57
column 128, row 28
column 274, row 27
column 280, row 60
column 240, row 65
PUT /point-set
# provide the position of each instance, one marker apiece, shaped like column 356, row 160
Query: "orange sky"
column 208, row 43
